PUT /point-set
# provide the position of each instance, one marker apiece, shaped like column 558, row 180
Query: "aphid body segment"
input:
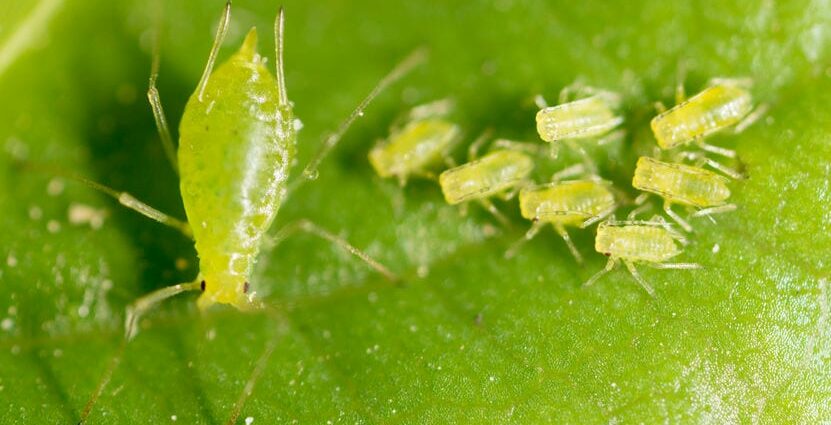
column 719, row 106
column 650, row 242
column 683, row 184
column 589, row 117
column 234, row 167
column 495, row 173
column 419, row 145
column 570, row 203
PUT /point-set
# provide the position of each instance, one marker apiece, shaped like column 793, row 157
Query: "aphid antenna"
column 751, row 118
column 279, row 36
column 473, row 149
column 310, row 172
column 221, row 31
column 153, row 94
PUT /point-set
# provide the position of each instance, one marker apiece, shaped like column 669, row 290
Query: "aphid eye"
column 608, row 254
column 202, row 286
column 245, row 287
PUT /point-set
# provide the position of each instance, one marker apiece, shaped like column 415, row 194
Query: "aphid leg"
column 221, row 30
column 751, row 118
column 133, row 314
column 411, row 61
column 145, row 303
column 553, row 150
column 488, row 205
column 729, row 153
column 610, row 265
column 660, row 107
column 634, row 272
column 590, row 165
column 473, row 149
column 256, row 373
column 530, row 234
column 730, row 172
column 539, row 100
column 637, row 211
column 601, row 216
column 680, row 92
column 156, row 106
column 612, row 137
column 681, row 222
column 675, row 266
column 134, row 204
column 706, row 212
column 568, row 172
column 510, row 194
column 564, row 234
column 311, row 228
column 513, row 145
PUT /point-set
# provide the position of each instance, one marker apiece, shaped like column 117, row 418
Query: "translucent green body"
column 717, row 107
column 415, row 148
column 494, row 173
column 568, row 203
column 236, row 146
column 633, row 242
column 679, row 183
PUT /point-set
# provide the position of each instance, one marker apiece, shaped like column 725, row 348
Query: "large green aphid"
column 236, row 147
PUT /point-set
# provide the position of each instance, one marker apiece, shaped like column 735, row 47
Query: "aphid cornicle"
column 420, row 144
column 575, row 203
column 499, row 172
column 685, row 185
column 648, row 242
column 236, row 146
column 723, row 104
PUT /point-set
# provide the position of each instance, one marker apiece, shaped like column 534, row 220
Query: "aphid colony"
column 577, row 197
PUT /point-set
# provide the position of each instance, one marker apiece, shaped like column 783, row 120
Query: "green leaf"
column 467, row 336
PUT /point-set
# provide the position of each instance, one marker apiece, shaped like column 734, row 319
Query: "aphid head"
column 226, row 290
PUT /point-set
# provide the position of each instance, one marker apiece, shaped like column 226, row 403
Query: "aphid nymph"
column 499, row 173
column 648, row 242
column 685, row 185
column 590, row 115
column 724, row 103
column 421, row 143
column 577, row 203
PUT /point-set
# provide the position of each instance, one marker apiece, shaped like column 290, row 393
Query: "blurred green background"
column 467, row 336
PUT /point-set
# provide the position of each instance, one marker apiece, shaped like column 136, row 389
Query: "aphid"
column 685, row 185
column 590, row 115
column 649, row 242
column 725, row 103
column 499, row 173
column 236, row 146
column 422, row 143
column 577, row 203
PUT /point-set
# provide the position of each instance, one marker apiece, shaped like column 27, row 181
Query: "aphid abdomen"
column 494, row 173
column 635, row 242
column 679, row 183
column 419, row 145
column 716, row 107
column 236, row 146
column 568, row 203
column 584, row 118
